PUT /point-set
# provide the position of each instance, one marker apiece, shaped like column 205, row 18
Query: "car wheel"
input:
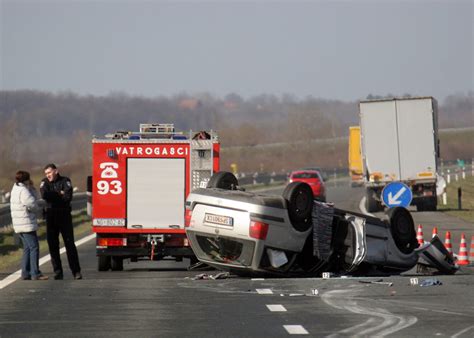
column 402, row 228
column 117, row 264
column 103, row 263
column 299, row 197
column 223, row 180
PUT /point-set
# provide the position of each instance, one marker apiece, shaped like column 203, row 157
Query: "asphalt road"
column 150, row 299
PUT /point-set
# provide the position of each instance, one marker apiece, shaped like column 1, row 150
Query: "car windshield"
column 305, row 175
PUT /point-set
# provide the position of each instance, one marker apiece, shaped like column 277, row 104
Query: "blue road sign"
column 397, row 194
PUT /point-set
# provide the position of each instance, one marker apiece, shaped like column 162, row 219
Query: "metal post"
column 463, row 173
column 459, row 198
column 445, row 198
column 448, row 177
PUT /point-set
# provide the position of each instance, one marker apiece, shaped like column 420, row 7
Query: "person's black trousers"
column 59, row 221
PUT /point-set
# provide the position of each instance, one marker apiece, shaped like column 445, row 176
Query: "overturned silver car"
column 251, row 234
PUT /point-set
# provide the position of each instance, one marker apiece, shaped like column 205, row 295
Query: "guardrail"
column 268, row 178
column 78, row 202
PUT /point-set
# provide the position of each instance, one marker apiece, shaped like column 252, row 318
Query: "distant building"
column 189, row 103
column 230, row 105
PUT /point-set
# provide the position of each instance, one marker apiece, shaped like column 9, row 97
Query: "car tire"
column 116, row 264
column 223, row 180
column 402, row 228
column 299, row 198
column 103, row 263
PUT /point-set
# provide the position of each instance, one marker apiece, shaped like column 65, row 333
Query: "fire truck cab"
column 140, row 182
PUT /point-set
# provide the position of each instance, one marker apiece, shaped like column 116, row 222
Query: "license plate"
column 220, row 220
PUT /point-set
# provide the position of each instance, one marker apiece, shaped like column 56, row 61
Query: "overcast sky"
column 329, row 49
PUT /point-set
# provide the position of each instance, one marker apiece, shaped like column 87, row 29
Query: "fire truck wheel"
column 299, row 197
column 103, row 263
column 402, row 228
column 117, row 264
column 223, row 180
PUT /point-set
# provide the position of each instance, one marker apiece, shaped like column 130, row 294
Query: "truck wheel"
column 223, row 180
column 117, row 264
column 420, row 206
column 371, row 203
column 402, row 228
column 299, row 197
column 103, row 263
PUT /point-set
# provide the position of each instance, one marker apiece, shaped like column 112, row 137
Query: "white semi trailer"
column 399, row 139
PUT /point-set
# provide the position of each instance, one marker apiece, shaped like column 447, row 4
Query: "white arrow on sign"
column 394, row 199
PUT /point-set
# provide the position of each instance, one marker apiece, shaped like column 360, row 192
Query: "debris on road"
column 199, row 266
column 378, row 281
column 205, row 276
column 430, row 282
column 221, row 275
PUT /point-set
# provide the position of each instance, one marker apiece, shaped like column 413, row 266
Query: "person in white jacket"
column 23, row 209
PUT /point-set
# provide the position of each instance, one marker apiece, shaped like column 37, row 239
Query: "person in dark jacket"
column 56, row 190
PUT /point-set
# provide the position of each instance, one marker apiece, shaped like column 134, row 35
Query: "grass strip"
column 467, row 199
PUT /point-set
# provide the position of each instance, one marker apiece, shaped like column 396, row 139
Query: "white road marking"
column 17, row 274
column 344, row 300
column 295, row 329
column 276, row 308
column 258, row 279
column 264, row 291
column 462, row 331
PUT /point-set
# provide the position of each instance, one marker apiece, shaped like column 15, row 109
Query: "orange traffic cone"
column 435, row 232
column 419, row 234
column 471, row 252
column 447, row 242
column 462, row 257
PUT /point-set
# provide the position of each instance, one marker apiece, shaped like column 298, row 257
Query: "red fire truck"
column 139, row 187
